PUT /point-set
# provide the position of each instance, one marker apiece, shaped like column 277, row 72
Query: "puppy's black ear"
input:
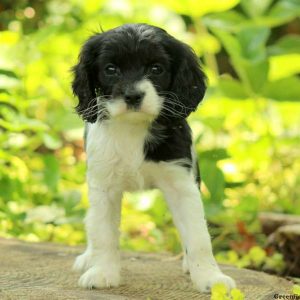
column 83, row 84
column 189, row 80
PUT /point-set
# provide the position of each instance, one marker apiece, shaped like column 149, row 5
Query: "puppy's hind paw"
column 96, row 278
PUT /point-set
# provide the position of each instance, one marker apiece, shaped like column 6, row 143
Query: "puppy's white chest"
column 115, row 153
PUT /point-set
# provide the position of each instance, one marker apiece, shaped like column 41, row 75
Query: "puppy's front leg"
column 101, row 260
column 184, row 200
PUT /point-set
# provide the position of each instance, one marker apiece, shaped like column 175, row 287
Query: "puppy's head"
column 137, row 71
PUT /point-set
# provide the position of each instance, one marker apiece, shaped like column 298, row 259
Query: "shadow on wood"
column 43, row 271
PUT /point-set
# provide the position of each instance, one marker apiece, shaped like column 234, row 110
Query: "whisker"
column 171, row 101
column 174, row 99
column 96, row 112
column 91, row 107
column 173, row 112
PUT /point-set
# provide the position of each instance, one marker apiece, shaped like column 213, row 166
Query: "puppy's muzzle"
column 133, row 98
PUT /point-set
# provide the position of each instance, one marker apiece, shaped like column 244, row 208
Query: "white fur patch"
column 150, row 106
column 152, row 102
column 116, row 107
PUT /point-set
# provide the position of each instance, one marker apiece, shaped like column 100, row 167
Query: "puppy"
column 136, row 86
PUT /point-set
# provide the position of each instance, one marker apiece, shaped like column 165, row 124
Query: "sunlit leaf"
column 296, row 289
column 198, row 8
column 52, row 141
column 90, row 6
column 215, row 154
column 9, row 37
column 232, row 88
column 219, row 291
column 236, row 294
column 255, row 8
column 257, row 255
column 282, row 66
column 227, row 20
column 287, row 89
column 7, row 80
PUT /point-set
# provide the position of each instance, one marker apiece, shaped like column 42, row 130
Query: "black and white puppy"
column 136, row 86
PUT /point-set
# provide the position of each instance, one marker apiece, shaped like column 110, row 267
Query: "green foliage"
column 220, row 292
column 255, row 258
column 296, row 289
column 247, row 130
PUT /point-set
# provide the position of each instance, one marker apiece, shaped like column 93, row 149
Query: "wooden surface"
column 270, row 221
column 43, row 271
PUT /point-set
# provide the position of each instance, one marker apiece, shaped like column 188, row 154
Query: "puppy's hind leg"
column 184, row 200
column 101, row 260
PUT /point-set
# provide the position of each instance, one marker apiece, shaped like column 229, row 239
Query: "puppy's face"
column 137, row 72
column 131, row 72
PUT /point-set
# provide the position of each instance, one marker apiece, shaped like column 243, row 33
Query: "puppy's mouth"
column 134, row 107
column 138, row 103
column 119, row 109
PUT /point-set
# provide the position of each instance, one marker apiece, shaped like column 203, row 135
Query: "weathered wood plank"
column 43, row 271
column 270, row 221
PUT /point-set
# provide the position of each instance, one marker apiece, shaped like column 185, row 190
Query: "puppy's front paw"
column 205, row 281
column 97, row 277
column 82, row 262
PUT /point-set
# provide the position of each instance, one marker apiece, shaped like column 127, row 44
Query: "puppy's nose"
column 133, row 98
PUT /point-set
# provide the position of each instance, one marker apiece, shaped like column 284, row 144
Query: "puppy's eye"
column 111, row 70
column 156, row 69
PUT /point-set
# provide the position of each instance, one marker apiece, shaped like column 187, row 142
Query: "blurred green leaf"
column 281, row 66
column 228, row 21
column 287, row 89
column 237, row 294
column 219, row 291
column 51, row 171
column 51, row 140
column 248, row 56
column 275, row 263
column 214, row 154
column 255, row 8
column 252, row 42
column 285, row 10
column 257, row 73
column 257, row 256
column 4, row 91
column 286, row 45
column 232, row 88
column 198, row 8
column 254, row 59
column 296, row 289
column 8, row 73
column 213, row 179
